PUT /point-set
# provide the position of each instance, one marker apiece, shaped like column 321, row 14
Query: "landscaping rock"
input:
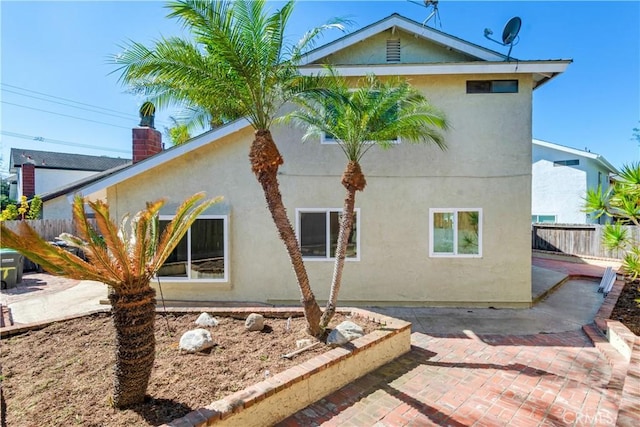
column 205, row 319
column 343, row 333
column 196, row 340
column 254, row 322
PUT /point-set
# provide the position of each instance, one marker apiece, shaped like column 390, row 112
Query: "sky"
column 59, row 92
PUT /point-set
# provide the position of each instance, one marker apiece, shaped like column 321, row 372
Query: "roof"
column 113, row 177
column 484, row 61
column 66, row 161
column 488, row 61
column 73, row 186
column 577, row 152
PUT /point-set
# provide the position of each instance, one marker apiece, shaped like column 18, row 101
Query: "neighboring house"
column 561, row 177
column 445, row 228
column 40, row 172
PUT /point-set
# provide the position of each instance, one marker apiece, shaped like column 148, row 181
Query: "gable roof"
column 488, row 61
column 482, row 60
column 574, row 151
column 66, row 161
column 410, row 26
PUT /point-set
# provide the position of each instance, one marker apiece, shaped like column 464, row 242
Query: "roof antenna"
column 509, row 34
column 434, row 13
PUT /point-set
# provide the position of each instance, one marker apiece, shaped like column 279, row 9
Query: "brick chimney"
column 28, row 179
column 147, row 141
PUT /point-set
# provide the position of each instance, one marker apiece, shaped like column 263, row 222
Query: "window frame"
column 493, row 88
column 327, row 211
column 568, row 162
column 454, row 254
column 225, row 229
column 555, row 219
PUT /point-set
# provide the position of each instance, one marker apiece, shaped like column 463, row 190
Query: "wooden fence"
column 48, row 229
column 580, row 239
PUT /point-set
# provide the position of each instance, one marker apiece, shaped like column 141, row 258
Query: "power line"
column 65, row 115
column 64, row 99
column 59, row 142
column 129, row 117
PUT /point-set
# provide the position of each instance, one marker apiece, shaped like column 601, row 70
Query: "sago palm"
column 372, row 113
column 238, row 64
column 125, row 258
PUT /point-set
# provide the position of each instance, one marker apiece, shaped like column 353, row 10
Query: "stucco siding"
column 413, row 50
column 486, row 166
column 51, row 179
column 560, row 190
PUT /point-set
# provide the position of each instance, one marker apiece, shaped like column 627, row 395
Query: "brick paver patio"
column 559, row 379
column 537, row 380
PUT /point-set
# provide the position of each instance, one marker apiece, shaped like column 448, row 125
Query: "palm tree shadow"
column 160, row 411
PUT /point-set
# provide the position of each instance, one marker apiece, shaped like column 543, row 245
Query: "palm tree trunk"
column 346, row 225
column 353, row 180
column 265, row 160
column 133, row 317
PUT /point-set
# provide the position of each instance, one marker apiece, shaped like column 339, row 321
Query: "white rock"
column 254, row 322
column 205, row 319
column 343, row 333
column 196, row 340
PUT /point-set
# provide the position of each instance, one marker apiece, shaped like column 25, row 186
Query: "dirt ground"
column 62, row 375
column 627, row 309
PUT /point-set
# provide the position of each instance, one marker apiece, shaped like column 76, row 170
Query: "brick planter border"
column 621, row 347
column 282, row 395
column 287, row 392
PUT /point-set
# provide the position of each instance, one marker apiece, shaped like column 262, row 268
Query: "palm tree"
column 126, row 261
column 375, row 113
column 239, row 64
column 621, row 202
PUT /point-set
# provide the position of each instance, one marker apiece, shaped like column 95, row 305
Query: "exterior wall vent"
column 393, row 50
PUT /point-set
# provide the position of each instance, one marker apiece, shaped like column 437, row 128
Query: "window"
column 318, row 233
column 455, row 232
column 492, row 86
column 573, row 162
column 202, row 253
column 543, row 218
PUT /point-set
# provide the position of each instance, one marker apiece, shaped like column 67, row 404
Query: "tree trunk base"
column 133, row 318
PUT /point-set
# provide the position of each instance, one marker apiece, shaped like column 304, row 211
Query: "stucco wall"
column 413, row 50
column 60, row 207
column 487, row 166
column 51, row 179
column 560, row 190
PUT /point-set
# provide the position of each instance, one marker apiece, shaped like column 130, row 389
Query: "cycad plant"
column 239, row 64
column 125, row 258
column 370, row 113
column 621, row 202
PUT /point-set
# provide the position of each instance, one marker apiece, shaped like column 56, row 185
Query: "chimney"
column 147, row 141
column 28, row 179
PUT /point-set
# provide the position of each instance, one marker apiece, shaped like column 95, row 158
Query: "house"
column 561, row 177
column 40, row 172
column 432, row 228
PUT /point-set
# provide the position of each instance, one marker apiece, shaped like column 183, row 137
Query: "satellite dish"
column 511, row 30
column 509, row 34
column 429, row 4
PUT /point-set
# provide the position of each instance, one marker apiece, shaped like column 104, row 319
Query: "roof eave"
column 160, row 158
column 407, row 25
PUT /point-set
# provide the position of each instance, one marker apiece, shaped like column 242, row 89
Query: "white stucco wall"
column 50, row 179
column 560, row 190
column 487, row 166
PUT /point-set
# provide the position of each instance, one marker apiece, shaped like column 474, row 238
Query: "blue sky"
column 54, row 66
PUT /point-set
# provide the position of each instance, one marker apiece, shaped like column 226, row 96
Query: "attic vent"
column 393, row 50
